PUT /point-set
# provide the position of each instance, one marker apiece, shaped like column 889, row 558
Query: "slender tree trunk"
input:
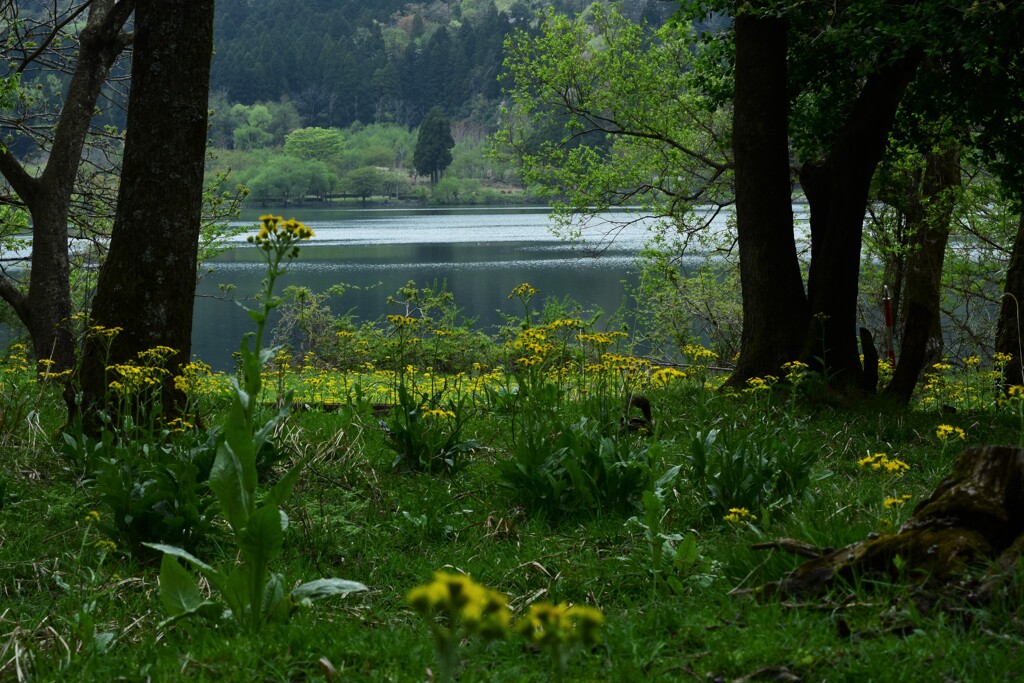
column 774, row 302
column 46, row 308
column 837, row 192
column 1009, row 338
column 147, row 284
column 928, row 227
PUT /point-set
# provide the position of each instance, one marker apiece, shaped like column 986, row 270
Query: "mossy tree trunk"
column 975, row 514
column 147, row 284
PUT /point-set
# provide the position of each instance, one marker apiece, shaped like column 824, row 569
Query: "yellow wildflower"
column 523, row 291
column 948, row 432
column 737, row 515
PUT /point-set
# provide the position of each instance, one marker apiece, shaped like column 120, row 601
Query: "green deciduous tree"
column 45, row 308
column 815, row 94
column 290, row 179
column 364, row 182
column 434, row 144
column 319, row 144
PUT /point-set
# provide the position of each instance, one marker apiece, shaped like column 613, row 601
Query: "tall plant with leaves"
column 248, row 589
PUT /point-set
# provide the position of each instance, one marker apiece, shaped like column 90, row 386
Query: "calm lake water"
column 481, row 255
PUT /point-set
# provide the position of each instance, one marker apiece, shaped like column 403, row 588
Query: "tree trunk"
column 975, row 514
column 1008, row 332
column 147, row 284
column 46, row 308
column 837, row 192
column 774, row 303
column 928, row 228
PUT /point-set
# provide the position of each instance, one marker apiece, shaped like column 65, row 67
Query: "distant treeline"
column 376, row 61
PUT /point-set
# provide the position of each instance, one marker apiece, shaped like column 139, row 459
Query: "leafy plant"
column 425, row 431
column 561, row 468
column 157, row 491
column 672, row 557
column 249, row 591
column 749, row 470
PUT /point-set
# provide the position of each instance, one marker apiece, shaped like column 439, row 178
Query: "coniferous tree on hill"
column 434, row 145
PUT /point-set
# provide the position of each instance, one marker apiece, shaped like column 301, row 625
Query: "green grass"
column 356, row 517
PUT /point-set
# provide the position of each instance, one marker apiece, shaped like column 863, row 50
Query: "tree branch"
column 57, row 28
column 22, row 183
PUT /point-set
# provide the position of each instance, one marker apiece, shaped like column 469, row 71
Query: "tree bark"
column 837, row 192
column 147, row 284
column 774, row 302
column 46, row 308
column 974, row 514
column 928, row 228
column 1008, row 332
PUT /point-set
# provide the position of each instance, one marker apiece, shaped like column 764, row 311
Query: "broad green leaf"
column 237, row 592
column 262, row 539
column 208, row 571
column 666, row 480
column 178, row 590
column 322, row 588
column 282, row 490
column 276, row 605
column 228, row 483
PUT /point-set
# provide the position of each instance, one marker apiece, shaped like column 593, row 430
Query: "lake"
column 482, row 254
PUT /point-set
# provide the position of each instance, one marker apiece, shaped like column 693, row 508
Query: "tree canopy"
column 434, row 145
column 815, row 96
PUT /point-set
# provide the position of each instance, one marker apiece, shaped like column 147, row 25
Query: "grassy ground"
column 355, row 516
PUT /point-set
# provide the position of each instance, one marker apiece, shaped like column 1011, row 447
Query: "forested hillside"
column 375, row 61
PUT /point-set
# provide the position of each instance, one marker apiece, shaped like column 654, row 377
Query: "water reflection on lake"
column 481, row 254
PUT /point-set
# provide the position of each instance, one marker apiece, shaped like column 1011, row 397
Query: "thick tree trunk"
column 1008, row 334
column 774, row 302
column 147, row 284
column 975, row 514
column 837, row 192
column 46, row 309
column 928, row 227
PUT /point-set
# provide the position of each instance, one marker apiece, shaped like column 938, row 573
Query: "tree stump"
column 975, row 515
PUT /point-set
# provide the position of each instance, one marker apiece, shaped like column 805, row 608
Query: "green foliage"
column 364, row 182
column 151, row 483
column 564, row 462
column 605, row 113
column 289, row 179
column 250, row 592
column 736, row 470
column 315, row 144
column 425, row 430
column 672, row 558
column 433, row 145
column 566, row 469
column 20, row 394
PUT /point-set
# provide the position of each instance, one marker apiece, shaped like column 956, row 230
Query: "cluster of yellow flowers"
column 459, row 601
column 698, row 355
column 881, row 461
column 759, row 384
column 403, row 321
column 457, row 608
column 438, row 413
column 523, row 291
column 600, row 338
column 276, row 229
column 896, row 502
column 737, row 515
column 663, row 376
column 550, row 625
column 948, row 432
column 134, row 378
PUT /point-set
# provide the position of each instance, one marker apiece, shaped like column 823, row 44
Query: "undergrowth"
column 528, row 475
